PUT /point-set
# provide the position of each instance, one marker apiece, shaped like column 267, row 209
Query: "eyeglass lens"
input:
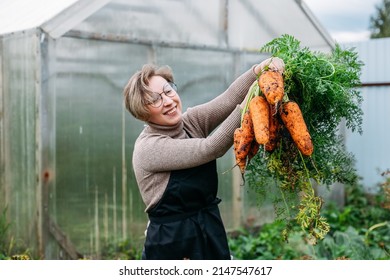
column 169, row 90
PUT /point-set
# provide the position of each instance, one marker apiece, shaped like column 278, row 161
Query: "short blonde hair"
column 137, row 92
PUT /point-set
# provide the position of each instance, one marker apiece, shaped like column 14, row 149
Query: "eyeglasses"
column 157, row 99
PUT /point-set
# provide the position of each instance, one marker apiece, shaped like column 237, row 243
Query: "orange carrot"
column 247, row 127
column 274, row 127
column 292, row 118
column 259, row 111
column 238, row 152
column 237, row 138
column 243, row 138
column 272, row 85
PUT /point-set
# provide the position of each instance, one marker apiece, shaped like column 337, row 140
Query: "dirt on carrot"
column 239, row 154
column 259, row 111
column 274, row 129
column 272, row 86
column 292, row 118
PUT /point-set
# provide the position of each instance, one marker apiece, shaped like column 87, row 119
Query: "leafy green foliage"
column 359, row 231
column 122, row 250
column 325, row 87
column 267, row 244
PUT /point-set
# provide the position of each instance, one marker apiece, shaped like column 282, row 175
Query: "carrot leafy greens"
column 326, row 87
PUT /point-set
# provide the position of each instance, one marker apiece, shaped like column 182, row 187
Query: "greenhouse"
column 66, row 179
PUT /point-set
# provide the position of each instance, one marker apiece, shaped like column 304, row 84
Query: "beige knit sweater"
column 161, row 149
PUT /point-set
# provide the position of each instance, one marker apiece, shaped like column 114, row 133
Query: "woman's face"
column 170, row 112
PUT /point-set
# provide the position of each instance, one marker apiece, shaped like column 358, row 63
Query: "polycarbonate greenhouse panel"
column 199, row 74
column 97, row 200
column 166, row 20
column 252, row 23
column 20, row 90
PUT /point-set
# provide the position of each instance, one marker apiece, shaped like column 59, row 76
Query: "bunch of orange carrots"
column 267, row 111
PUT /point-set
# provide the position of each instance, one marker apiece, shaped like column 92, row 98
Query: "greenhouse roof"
column 54, row 16
column 239, row 24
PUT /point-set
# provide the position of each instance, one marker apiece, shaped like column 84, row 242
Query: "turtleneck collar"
column 173, row 131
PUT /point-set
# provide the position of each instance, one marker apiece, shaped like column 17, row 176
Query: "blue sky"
column 345, row 20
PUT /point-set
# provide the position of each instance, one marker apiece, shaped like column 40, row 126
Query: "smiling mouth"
column 171, row 112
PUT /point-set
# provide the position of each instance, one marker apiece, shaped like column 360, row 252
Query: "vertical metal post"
column 3, row 192
column 45, row 138
column 124, row 177
column 224, row 23
column 40, row 203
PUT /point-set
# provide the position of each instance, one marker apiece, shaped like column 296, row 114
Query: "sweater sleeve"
column 206, row 117
column 160, row 153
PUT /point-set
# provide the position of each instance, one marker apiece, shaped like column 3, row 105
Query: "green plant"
column 325, row 87
column 360, row 230
column 347, row 244
column 268, row 243
column 122, row 250
column 4, row 226
column 9, row 249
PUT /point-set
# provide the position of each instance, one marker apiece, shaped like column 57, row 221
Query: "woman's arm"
column 208, row 116
column 159, row 153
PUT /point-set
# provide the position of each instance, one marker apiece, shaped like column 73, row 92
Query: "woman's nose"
column 166, row 99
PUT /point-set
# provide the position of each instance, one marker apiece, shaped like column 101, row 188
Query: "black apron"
column 186, row 223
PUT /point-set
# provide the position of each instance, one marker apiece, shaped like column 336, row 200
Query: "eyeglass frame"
column 160, row 98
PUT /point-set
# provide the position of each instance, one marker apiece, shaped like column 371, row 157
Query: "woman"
column 174, row 161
